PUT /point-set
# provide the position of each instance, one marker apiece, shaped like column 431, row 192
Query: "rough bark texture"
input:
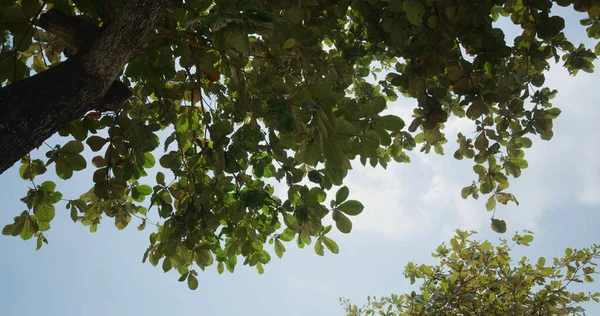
column 115, row 45
column 79, row 35
column 33, row 109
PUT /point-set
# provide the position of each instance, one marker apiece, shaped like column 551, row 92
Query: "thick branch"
column 79, row 35
column 33, row 109
column 109, row 51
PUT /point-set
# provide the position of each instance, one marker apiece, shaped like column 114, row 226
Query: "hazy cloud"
column 423, row 197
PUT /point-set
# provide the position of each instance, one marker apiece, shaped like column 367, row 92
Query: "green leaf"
column 12, row 15
column 192, row 282
column 490, row 205
column 487, row 186
column 239, row 42
column 314, row 176
column 22, row 42
column 553, row 112
column 333, row 152
column 414, row 11
column 160, row 178
column 260, row 268
column 314, row 152
column 142, row 210
column 331, row 245
column 39, row 243
column 149, row 160
column 7, row 230
column 203, row 257
column 30, row 7
column 96, row 142
column 317, row 195
column 166, row 266
column 17, row 227
column 121, row 222
column 28, row 230
column 521, row 163
column 319, row 248
column 547, row 271
column 63, row 171
column 395, row 5
column 351, row 207
column 165, row 57
column 72, row 147
column 498, row 226
column 54, row 197
column 30, row 169
column 295, row 15
column 289, row 43
column 465, row 192
column 74, row 215
column 43, row 226
column 44, row 212
column 287, row 235
column 76, row 162
column 144, row 189
column 480, row 170
column 550, row 27
column 166, row 232
column 342, row 222
column 49, row 186
column 135, row 67
column 525, row 142
column 98, row 162
column 220, row 129
column 512, row 169
column 481, row 142
column 341, row 195
column 279, row 248
column 527, row 238
column 393, row 123
column 183, row 277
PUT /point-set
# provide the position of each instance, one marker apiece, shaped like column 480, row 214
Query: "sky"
column 409, row 210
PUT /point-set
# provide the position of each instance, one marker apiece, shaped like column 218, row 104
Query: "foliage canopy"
column 477, row 278
column 238, row 93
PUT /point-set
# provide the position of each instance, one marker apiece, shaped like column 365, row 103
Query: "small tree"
column 478, row 278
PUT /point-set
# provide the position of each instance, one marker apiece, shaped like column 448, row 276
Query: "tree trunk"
column 33, row 109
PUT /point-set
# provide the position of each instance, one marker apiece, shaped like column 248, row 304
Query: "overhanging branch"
column 33, row 109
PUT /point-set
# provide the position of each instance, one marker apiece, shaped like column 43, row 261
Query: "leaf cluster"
column 478, row 278
column 230, row 96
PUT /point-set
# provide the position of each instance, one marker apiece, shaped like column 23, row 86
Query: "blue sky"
column 409, row 209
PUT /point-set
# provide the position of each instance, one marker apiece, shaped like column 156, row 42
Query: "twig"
column 16, row 48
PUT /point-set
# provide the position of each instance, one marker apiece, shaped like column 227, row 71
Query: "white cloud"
column 423, row 197
column 576, row 136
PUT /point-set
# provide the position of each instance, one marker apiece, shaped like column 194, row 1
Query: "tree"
column 239, row 93
column 478, row 278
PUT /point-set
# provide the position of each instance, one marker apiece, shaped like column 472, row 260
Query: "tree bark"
column 79, row 35
column 33, row 109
